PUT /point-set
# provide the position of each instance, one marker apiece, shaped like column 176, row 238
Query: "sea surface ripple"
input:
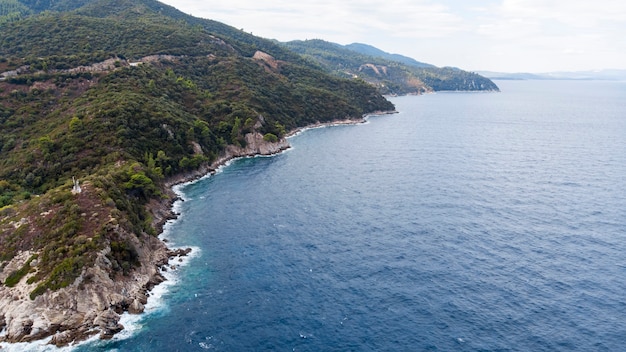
column 467, row 222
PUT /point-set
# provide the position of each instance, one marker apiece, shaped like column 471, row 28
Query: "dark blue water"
column 467, row 222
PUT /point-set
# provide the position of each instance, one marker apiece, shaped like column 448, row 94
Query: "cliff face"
column 93, row 303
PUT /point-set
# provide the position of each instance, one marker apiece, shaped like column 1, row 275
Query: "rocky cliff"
column 93, row 303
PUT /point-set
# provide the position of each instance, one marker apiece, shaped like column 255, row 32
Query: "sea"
column 465, row 222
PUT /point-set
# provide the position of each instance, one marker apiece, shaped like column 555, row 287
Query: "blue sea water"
column 466, row 222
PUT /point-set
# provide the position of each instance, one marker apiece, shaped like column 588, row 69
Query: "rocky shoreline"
column 93, row 304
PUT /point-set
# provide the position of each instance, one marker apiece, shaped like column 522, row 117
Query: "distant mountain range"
column 391, row 73
column 369, row 50
column 608, row 75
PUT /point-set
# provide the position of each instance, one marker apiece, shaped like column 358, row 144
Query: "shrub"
column 270, row 137
column 17, row 275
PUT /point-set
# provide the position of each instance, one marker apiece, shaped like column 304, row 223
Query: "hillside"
column 390, row 73
column 369, row 50
column 127, row 97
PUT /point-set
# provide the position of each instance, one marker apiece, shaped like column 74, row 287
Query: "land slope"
column 127, row 98
column 390, row 73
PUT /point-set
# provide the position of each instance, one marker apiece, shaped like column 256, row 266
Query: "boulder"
column 108, row 322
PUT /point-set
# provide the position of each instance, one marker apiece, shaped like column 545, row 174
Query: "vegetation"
column 17, row 275
column 392, row 74
column 173, row 94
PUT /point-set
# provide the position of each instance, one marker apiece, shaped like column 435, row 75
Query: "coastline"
column 232, row 153
column 94, row 307
column 165, row 211
column 363, row 119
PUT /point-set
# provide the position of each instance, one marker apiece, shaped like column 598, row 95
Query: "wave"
column 157, row 304
column 36, row 346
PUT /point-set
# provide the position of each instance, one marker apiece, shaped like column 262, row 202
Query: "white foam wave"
column 42, row 346
column 300, row 131
column 133, row 323
column 30, row 346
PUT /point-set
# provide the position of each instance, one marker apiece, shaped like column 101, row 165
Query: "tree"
column 270, row 137
column 140, row 184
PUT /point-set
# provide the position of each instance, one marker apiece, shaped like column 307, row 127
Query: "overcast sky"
column 495, row 35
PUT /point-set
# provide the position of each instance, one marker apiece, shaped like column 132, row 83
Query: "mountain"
column 385, row 71
column 369, row 50
column 104, row 104
column 608, row 75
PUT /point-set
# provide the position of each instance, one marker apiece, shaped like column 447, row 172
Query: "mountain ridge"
column 370, row 50
column 384, row 71
column 124, row 102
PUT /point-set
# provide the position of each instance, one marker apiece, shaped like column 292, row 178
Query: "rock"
column 180, row 252
column 108, row 322
column 163, row 261
column 156, row 279
column 62, row 339
column 18, row 328
column 38, row 330
column 142, row 298
column 136, row 307
column 27, row 327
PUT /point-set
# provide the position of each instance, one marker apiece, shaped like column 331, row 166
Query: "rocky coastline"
column 93, row 304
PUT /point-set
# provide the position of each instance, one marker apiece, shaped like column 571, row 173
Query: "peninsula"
column 104, row 105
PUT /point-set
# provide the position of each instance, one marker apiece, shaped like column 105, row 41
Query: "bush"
column 140, row 183
column 17, row 275
column 270, row 137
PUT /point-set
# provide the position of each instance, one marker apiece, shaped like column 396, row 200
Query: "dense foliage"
column 392, row 74
column 369, row 50
column 175, row 92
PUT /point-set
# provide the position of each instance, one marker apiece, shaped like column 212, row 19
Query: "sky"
column 490, row 35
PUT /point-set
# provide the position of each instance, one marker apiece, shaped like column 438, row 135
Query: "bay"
column 467, row 221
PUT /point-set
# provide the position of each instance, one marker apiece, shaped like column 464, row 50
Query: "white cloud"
column 510, row 35
column 281, row 19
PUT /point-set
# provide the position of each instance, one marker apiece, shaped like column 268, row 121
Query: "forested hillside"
column 123, row 95
column 392, row 74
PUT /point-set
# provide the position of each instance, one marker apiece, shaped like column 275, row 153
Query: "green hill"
column 392, row 74
column 125, row 95
column 369, row 50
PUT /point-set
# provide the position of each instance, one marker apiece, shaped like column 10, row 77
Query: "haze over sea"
column 468, row 221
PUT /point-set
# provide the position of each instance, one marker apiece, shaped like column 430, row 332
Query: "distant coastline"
column 601, row 75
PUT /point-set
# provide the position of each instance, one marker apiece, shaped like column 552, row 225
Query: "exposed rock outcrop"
column 92, row 305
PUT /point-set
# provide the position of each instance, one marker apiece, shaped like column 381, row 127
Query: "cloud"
column 576, row 14
column 282, row 19
column 532, row 35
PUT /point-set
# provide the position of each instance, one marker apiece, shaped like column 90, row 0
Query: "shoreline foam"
column 165, row 218
column 176, row 213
